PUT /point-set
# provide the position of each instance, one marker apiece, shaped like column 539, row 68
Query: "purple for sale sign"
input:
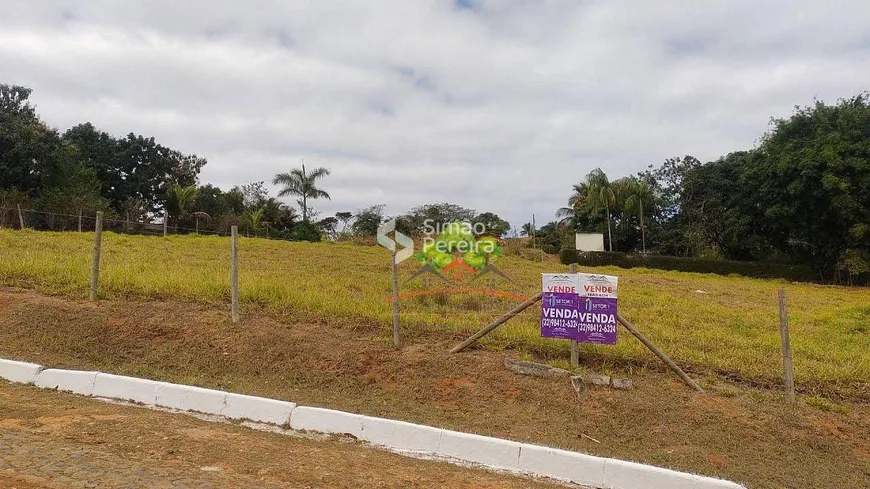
column 579, row 307
column 558, row 315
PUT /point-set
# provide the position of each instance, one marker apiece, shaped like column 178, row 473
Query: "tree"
column 279, row 215
column 667, row 181
column 568, row 216
column 344, row 218
column 600, row 196
column 719, row 204
column 235, row 199
column 133, row 167
column 811, row 180
column 435, row 215
column 134, row 209
column 492, row 223
column 254, row 193
column 74, row 189
column 212, row 200
column 552, row 237
column 527, row 229
column 179, row 202
column 303, row 184
column 28, row 148
column 254, row 220
column 639, row 192
column 368, row 220
column 327, row 225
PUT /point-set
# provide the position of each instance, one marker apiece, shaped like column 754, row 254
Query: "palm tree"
column 600, row 196
column 568, row 215
column 179, row 201
column 527, row 230
column 639, row 192
column 254, row 219
column 302, row 183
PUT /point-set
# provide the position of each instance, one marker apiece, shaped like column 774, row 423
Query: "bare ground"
column 735, row 432
column 51, row 440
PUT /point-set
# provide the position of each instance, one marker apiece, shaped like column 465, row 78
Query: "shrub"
column 303, row 231
column 798, row 273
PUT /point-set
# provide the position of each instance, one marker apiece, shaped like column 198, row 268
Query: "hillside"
column 707, row 323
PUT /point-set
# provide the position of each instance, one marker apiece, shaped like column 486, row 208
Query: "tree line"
column 134, row 179
column 801, row 196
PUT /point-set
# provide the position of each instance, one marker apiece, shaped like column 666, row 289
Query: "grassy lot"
column 711, row 324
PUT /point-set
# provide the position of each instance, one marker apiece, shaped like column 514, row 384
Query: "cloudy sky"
column 493, row 105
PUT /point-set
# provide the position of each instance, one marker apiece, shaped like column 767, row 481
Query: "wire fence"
column 423, row 303
column 426, row 296
column 25, row 218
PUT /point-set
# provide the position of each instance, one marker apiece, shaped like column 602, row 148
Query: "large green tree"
column 812, row 183
column 435, row 215
column 28, row 148
column 134, row 166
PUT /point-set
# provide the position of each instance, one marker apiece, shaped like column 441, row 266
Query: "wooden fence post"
column 786, row 346
column 234, row 272
column 397, row 339
column 165, row 222
column 80, row 220
column 20, row 217
column 575, row 347
column 95, row 266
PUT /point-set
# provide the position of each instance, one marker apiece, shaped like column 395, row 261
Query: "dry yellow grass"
column 725, row 325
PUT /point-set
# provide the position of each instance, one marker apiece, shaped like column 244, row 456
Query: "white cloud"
column 500, row 107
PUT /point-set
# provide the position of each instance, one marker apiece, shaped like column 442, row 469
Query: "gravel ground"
column 57, row 440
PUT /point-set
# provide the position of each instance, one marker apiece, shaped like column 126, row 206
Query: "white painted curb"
column 399, row 435
column 395, row 435
column 19, row 372
column 483, row 450
column 579, row 468
column 305, row 418
column 240, row 406
column 126, row 388
column 190, row 398
column 618, row 474
column 74, row 381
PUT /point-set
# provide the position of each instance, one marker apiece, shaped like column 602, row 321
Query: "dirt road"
column 51, row 440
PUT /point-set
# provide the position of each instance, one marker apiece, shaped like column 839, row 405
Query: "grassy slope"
column 730, row 328
column 744, row 434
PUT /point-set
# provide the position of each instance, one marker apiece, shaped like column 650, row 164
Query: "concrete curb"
column 400, row 436
column 74, row 381
column 19, row 372
column 240, row 406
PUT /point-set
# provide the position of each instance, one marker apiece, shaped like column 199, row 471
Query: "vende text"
column 598, row 289
column 562, row 288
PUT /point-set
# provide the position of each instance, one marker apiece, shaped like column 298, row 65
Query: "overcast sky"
column 495, row 105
